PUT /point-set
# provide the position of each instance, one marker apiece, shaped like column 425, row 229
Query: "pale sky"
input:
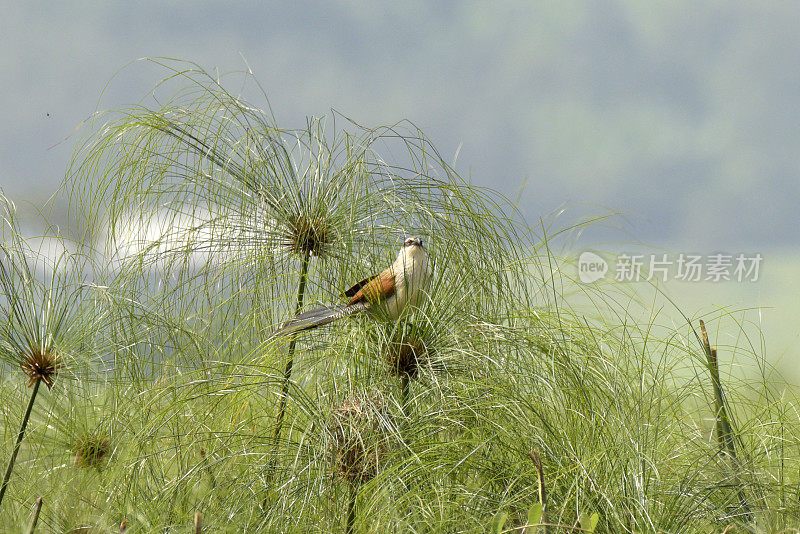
column 684, row 117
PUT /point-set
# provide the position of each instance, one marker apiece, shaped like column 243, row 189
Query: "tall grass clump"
column 45, row 328
column 495, row 405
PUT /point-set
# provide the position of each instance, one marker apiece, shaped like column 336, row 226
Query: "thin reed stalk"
column 725, row 434
column 405, row 393
column 20, row 436
column 35, row 518
column 537, row 461
column 351, row 509
column 287, row 374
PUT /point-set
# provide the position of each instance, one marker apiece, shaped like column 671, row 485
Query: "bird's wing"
column 376, row 288
column 353, row 290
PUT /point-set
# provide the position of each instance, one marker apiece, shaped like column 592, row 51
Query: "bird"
column 388, row 294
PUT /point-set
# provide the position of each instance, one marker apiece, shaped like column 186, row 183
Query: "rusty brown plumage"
column 374, row 289
column 353, row 290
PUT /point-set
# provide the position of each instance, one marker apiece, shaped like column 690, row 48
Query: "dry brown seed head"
column 308, row 235
column 91, row 450
column 406, row 353
column 38, row 364
column 358, row 442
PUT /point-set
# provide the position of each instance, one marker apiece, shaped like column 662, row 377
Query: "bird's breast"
column 411, row 279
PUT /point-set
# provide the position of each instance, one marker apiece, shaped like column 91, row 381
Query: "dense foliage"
column 204, row 225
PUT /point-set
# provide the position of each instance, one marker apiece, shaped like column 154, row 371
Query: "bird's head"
column 412, row 241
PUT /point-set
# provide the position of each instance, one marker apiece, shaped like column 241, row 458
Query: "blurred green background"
column 680, row 116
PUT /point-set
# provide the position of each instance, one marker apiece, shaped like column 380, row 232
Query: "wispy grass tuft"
column 43, row 323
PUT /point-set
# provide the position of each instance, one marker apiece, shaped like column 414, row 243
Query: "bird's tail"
column 318, row 317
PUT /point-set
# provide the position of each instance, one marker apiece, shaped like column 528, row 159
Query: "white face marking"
column 413, row 240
